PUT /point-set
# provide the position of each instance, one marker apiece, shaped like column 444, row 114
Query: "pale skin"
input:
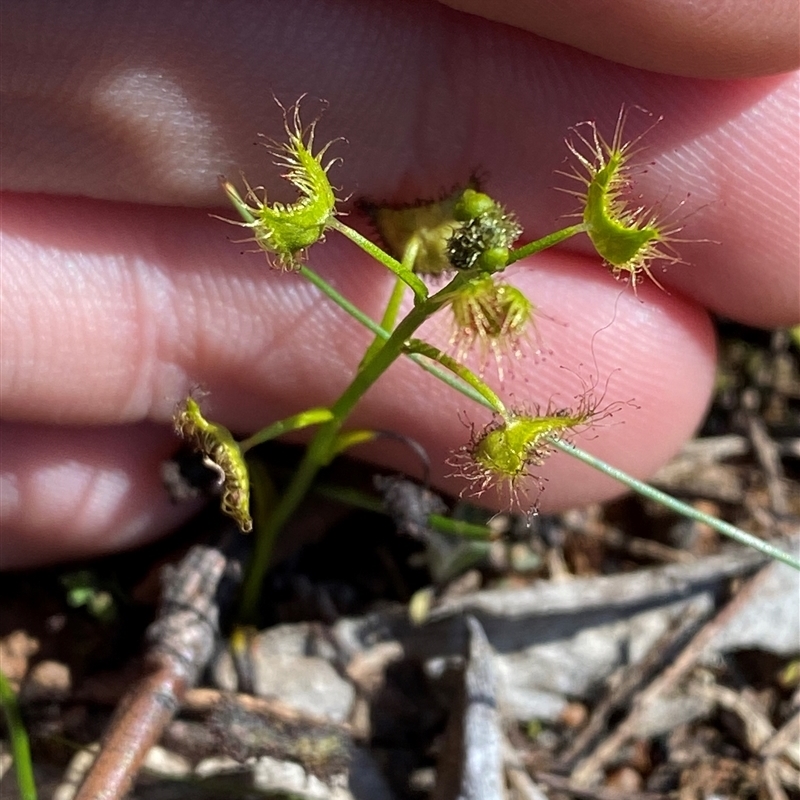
column 120, row 293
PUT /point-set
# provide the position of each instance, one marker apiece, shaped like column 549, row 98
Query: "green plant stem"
column 406, row 275
column 457, row 368
column 725, row 528
column 357, row 314
column 20, row 747
column 321, row 448
column 346, row 439
column 459, row 527
column 389, row 319
column 546, row 241
column 313, row 416
column 368, row 502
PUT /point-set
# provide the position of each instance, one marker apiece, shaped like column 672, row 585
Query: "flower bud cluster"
column 484, row 239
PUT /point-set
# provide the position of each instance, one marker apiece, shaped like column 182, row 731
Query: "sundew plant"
column 465, row 241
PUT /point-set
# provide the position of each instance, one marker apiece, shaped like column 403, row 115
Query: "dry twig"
column 635, row 676
column 181, row 642
column 590, row 768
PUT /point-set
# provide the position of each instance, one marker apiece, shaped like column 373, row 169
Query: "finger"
column 116, row 319
column 138, row 118
column 71, row 493
column 702, row 40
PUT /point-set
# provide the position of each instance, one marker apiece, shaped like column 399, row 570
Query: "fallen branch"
column 181, row 642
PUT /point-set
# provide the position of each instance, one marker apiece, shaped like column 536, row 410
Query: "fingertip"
column 69, row 493
column 705, row 40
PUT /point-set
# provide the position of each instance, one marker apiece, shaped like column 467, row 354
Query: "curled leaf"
column 627, row 235
column 285, row 230
column 222, row 454
column 504, row 454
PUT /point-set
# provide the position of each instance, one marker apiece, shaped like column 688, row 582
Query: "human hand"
column 119, row 293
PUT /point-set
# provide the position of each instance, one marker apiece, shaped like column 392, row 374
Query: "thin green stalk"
column 550, row 240
column 263, row 501
column 457, row 368
column 369, row 502
column 357, row 314
column 389, row 319
column 725, row 528
column 349, row 496
column 459, row 527
column 20, row 747
column 392, row 264
column 313, row 416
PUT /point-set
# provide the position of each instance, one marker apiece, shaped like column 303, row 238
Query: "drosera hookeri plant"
column 467, row 240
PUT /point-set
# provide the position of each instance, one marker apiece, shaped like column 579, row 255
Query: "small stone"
column 47, row 680
column 574, row 715
column 311, row 685
column 162, row 762
column 214, row 765
column 15, row 650
column 625, row 780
